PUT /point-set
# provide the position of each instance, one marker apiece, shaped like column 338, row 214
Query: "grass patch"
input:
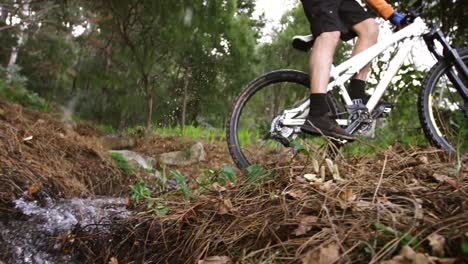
column 210, row 135
column 122, row 163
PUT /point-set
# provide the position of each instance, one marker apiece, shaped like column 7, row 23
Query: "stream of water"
column 34, row 236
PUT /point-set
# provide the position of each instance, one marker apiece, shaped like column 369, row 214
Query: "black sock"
column 357, row 89
column 318, row 104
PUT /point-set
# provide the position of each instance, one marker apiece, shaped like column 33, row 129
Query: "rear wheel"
column 443, row 110
column 254, row 111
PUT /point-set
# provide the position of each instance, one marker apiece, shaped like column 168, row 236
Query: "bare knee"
column 368, row 29
column 328, row 38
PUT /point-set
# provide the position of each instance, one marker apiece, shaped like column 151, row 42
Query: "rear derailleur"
column 281, row 133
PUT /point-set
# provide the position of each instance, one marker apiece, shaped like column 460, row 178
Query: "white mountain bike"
column 273, row 107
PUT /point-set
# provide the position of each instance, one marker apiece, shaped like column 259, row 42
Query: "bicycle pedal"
column 386, row 107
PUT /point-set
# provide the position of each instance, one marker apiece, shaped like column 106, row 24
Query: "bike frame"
column 408, row 37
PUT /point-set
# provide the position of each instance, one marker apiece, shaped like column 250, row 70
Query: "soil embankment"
column 38, row 152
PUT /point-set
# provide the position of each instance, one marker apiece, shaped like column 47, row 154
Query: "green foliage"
column 106, row 129
column 464, row 247
column 256, row 174
column 210, row 135
column 16, row 91
column 300, row 148
column 159, row 206
column 223, row 176
column 387, row 234
column 139, row 192
column 134, row 131
column 182, row 183
column 122, row 163
column 228, row 174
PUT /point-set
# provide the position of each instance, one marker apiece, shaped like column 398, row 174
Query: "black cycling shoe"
column 326, row 126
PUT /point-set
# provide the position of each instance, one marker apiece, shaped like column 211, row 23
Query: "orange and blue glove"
column 396, row 18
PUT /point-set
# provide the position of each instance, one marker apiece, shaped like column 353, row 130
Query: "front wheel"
column 256, row 109
column 443, row 110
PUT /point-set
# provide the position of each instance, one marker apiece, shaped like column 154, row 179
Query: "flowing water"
column 36, row 234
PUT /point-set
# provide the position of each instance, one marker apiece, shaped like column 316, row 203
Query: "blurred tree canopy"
column 145, row 62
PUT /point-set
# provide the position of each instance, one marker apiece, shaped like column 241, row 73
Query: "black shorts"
column 334, row 15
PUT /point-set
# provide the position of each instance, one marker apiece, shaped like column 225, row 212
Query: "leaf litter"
column 360, row 210
column 289, row 218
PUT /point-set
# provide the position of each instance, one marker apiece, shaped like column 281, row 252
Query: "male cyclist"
column 330, row 20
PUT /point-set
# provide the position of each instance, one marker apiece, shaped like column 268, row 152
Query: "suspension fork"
column 451, row 56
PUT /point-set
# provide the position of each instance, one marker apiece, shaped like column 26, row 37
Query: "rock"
column 135, row 159
column 118, row 143
column 181, row 158
column 171, row 185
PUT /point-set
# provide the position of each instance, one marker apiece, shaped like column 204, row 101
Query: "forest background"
column 157, row 64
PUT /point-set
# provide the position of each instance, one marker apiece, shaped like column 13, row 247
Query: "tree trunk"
column 149, row 113
column 3, row 15
column 185, row 98
column 19, row 43
column 122, row 120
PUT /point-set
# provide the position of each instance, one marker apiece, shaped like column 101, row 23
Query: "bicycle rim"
column 250, row 122
column 446, row 110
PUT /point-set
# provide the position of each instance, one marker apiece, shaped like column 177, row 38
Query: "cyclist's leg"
column 363, row 25
column 321, row 60
column 368, row 33
column 326, row 26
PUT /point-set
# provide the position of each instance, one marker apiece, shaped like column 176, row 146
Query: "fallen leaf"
column 300, row 179
column 330, row 165
column 305, row 225
column 336, row 173
column 310, row 177
column 326, row 187
column 322, row 173
column 348, row 196
column 225, row 206
column 396, row 260
column 27, row 138
column 215, row 260
column 326, row 255
column 421, row 258
column 113, row 260
column 127, row 201
column 218, row 187
column 446, row 179
column 437, row 243
column 408, row 253
column 313, row 178
column 444, row 260
column 33, row 189
column 439, row 177
column 299, row 194
column 362, row 205
column 316, row 166
column 423, row 160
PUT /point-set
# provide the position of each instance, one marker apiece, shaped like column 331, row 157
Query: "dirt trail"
column 383, row 205
column 378, row 205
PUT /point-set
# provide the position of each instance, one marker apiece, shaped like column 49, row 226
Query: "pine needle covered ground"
column 410, row 202
column 398, row 205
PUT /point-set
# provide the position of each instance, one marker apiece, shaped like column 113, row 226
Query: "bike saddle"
column 303, row 43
